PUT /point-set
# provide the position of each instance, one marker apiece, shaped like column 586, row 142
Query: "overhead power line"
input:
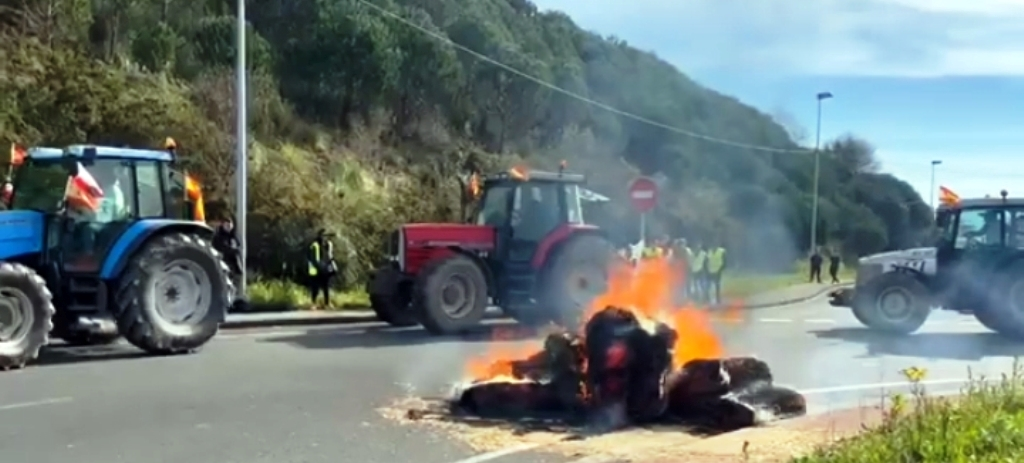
column 571, row 94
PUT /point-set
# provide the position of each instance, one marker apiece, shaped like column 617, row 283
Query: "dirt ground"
column 775, row 442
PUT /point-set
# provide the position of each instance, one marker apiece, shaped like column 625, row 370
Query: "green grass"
column 277, row 295
column 739, row 285
column 985, row 424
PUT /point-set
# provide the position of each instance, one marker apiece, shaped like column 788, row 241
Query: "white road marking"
column 776, row 320
column 482, row 457
column 35, row 403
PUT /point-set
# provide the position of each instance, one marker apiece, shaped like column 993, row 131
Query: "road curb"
column 342, row 318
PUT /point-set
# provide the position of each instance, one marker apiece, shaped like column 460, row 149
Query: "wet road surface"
column 308, row 396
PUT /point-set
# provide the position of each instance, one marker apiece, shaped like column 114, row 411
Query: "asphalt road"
column 311, row 396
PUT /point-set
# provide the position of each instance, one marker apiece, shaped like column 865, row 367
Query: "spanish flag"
column 18, row 154
column 194, row 192
column 947, row 196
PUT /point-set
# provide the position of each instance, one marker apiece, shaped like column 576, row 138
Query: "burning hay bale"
column 620, row 372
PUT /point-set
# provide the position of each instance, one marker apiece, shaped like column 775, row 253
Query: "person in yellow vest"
column 716, row 263
column 321, row 266
column 698, row 275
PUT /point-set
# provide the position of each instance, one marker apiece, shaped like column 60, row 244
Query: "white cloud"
column 906, row 38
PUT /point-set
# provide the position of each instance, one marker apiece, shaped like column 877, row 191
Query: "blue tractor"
column 136, row 265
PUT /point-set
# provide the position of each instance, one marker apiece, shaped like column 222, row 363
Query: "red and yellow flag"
column 948, row 197
column 18, row 154
column 474, row 186
column 194, row 191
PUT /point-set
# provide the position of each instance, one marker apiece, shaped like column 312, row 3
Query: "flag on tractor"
column 194, row 192
column 947, row 196
column 83, row 192
column 18, row 154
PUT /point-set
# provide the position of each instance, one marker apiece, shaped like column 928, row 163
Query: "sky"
column 922, row 80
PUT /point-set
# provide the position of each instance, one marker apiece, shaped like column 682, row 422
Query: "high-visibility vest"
column 697, row 262
column 716, row 260
column 651, row 252
column 316, row 258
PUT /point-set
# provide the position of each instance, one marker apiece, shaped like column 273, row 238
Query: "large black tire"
column 1006, row 313
column 173, row 272
column 575, row 275
column 26, row 315
column 450, row 295
column 391, row 297
column 869, row 303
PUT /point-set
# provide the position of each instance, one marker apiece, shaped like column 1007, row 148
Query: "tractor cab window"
column 573, row 203
column 39, row 186
column 981, row 228
column 538, row 210
column 493, row 209
column 99, row 217
column 151, row 196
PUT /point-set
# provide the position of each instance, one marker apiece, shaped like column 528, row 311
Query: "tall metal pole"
column 931, row 189
column 241, row 140
column 817, row 173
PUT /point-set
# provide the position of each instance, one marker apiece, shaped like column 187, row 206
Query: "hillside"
column 363, row 113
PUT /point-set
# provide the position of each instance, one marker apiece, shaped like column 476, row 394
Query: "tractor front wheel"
column 391, row 297
column 575, row 275
column 450, row 295
column 26, row 315
column 894, row 302
column 173, row 295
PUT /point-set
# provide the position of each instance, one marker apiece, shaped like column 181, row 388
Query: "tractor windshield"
column 40, row 186
column 494, row 206
column 990, row 227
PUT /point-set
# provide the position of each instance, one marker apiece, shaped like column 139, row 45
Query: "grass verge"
column 278, row 295
column 738, row 286
column 985, row 424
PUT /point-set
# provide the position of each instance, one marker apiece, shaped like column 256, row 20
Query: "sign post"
column 643, row 194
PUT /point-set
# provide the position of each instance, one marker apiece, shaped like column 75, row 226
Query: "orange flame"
column 648, row 290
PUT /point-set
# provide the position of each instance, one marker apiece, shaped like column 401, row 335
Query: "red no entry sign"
column 643, row 193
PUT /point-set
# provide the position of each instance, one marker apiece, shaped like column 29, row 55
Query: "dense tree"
column 361, row 119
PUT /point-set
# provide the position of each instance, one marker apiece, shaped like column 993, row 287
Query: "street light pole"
column 931, row 189
column 241, row 140
column 822, row 96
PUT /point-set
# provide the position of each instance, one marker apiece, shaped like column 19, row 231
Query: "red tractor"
column 525, row 250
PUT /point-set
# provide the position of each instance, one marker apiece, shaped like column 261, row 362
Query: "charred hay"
column 619, row 372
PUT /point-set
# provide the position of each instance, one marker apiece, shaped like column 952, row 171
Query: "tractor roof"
column 536, row 176
column 981, row 203
column 101, row 152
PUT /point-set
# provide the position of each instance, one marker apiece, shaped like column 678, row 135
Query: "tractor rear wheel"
column 26, row 315
column 173, row 295
column 391, row 297
column 575, row 275
column 450, row 295
column 893, row 302
column 1006, row 314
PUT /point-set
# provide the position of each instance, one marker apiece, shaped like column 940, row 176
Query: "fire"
column 649, row 292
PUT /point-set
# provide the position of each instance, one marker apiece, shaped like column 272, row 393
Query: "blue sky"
column 919, row 79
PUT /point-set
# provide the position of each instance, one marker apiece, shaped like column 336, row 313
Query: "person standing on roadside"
column 225, row 241
column 698, row 277
column 833, row 266
column 816, row 261
column 714, row 267
column 321, row 266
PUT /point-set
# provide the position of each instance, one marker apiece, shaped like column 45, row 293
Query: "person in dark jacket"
column 225, row 241
column 833, row 266
column 816, row 261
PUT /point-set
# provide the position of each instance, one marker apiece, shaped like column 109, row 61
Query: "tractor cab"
column 91, row 195
column 525, row 208
column 977, row 238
